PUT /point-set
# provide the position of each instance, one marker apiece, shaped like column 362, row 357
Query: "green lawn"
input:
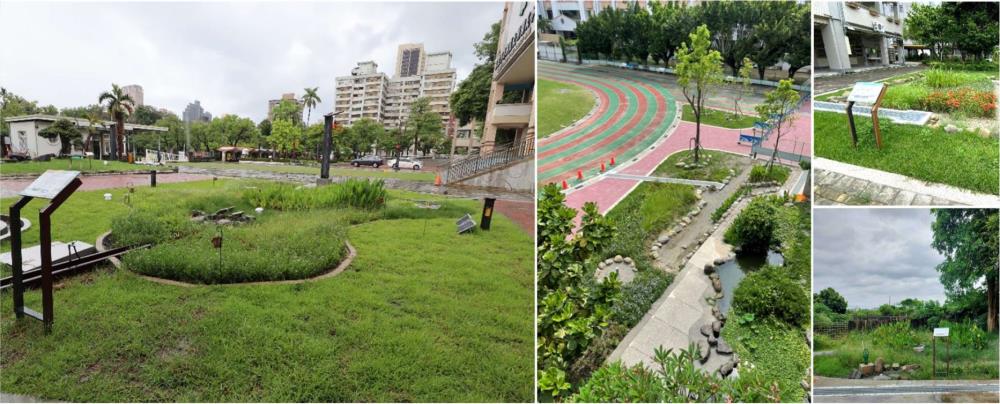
column 716, row 165
column 962, row 159
column 383, row 172
column 723, row 119
column 414, row 318
column 561, row 104
column 88, row 165
column 967, row 363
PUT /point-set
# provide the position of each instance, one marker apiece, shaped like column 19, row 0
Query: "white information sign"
column 50, row 183
column 865, row 91
column 941, row 332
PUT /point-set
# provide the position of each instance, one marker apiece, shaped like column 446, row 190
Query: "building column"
column 885, row 51
column 555, row 8
column 835, row 44
column 583, row 10
column 489, row 130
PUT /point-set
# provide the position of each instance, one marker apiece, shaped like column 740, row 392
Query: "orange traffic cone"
column 565, row 186
column 602, row 166
column 579, row 174
column 437, row 180
column 612, row 160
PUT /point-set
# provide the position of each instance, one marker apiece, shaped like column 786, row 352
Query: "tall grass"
column 355, row 193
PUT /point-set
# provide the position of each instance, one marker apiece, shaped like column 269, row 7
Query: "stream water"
column 732, row 272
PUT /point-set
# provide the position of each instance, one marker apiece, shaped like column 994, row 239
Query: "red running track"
column 607, row 192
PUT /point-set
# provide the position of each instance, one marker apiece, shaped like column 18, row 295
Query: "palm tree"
column 119, row 106
column 309, row 100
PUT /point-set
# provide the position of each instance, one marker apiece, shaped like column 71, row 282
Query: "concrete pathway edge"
column 942, row 191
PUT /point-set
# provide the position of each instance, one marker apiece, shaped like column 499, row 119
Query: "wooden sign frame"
column 875, row 126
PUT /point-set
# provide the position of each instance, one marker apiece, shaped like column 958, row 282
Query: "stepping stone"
column 712, row 340
column 716, row 327
column 727, row 369
column 709, row 269
column 704, row 351
column 723, row 348
column 706, row 330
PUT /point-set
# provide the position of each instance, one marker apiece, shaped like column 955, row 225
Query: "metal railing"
column 499, row 157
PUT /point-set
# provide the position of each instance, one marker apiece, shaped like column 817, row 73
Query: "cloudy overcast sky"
column 873, row 255
column 232, row 56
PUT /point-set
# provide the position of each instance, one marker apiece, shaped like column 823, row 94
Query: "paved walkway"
column 10, row 188
column 826, row 84
column 833, row 390
column 837, row 183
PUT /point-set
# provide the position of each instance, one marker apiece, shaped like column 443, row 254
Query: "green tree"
column 234, row 130
column 469, row 100
column 66, row 132
column 173, row 140
column 668, row 25
column 364, row 133
column 699, row 71
column 287, row 110
column 313, row 138
column 203, row 138
column 145, row 115
column 968, row 238
column 286, row 136
column 84, row 112
column 309, row 100
column 264, row 127
column 830, row 298
column 928, row 25
column 800, row 46
column 119, row 106
column 779, row 107
column 423, row 123
column 746, row 69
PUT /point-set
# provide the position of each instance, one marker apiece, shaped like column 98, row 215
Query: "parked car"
column 374, row 161
column 406, row 163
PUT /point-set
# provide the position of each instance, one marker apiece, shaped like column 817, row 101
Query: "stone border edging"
column 943, row 191
column 351, row 253
column 91, row 174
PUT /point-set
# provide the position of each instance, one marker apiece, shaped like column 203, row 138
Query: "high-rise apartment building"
column 370, row 93
column 851, row 35
column 361, row 95
column 134, row 91
column 409, row 59
column 194, row 113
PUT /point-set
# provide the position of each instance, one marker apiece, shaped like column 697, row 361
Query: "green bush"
column 356, row 193
column 770, row 291
column 639, row 295
column 674, row 379
column 593, row 357
column 722, row 209
column 966, row 334
column 897, row 335
column 753, row 229
column 760, row 173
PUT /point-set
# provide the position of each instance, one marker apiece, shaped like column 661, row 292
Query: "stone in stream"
column 712, row 340
column 716, row 327
column 628, row 261
column 716, row 312
column 656, row 247
column 717, row 284
column 718, row 261
column 663, row 239
column 703, row 351
column 727, row 368
column 722, row 318
column 656, row 255
column 706, row 330
column 619, row 259
column 601, row 265
column 709, row 269
column 723, row 348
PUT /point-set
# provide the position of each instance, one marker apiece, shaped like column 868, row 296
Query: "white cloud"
column 232, row 56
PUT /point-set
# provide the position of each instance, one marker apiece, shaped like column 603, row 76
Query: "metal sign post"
column 57, row 186
column 940, row 333
column 869, row 93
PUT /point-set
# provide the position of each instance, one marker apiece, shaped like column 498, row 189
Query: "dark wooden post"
column 17, row 270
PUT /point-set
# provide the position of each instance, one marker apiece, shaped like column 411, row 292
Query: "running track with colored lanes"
column 607, row 192
column 632, row 114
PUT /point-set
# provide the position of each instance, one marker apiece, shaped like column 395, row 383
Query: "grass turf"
column 38, row 167
column 962, row 159
column 719, row 118
column 716, row 166
column 561, row 104
column 412, row 319
column 847, row 353
column 383, row 172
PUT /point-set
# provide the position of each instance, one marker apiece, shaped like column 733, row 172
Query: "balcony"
column 511, row 115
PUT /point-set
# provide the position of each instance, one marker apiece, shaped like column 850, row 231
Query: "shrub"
column 726, row 204
column 897, row 335
column 966, row 334
column 639, row 295
column 771, row 292
column 355, row 193
column 593, row 357
column 760, row 173
column 674, row 379
column 753, row 228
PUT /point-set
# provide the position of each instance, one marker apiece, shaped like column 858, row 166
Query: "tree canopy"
column 830, row 298
column 968, row 238
column 970, row 28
